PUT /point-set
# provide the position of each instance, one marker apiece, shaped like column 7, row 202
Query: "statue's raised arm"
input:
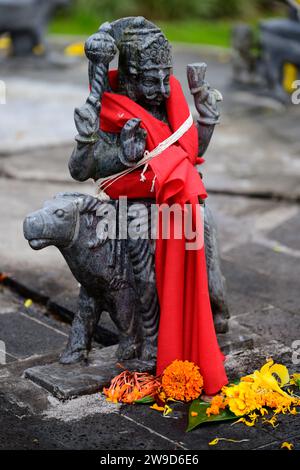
column 98, row 154
column 206, row 102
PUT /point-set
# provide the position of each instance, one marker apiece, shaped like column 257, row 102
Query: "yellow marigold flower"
column 272, row 421
column 167, row 410
column 241, row 398
column 248, row 423
column 157, row 407
column 266, row 380
column 287, row 445
column 259, row 390
column 182, row 380
column 247, row 378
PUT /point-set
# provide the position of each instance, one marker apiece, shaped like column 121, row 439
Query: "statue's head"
column 54, row 224
column 145, row 63
column 61, row 220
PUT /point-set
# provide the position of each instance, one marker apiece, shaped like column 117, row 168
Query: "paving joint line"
column 177, row 444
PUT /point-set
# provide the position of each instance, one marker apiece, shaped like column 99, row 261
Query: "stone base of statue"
column 70, row 381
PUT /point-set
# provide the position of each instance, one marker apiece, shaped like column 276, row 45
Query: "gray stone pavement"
column 253, row 156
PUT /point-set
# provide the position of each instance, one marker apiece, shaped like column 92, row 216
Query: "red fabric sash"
column 186, row 329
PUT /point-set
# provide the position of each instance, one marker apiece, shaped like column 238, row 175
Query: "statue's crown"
column 143, row 46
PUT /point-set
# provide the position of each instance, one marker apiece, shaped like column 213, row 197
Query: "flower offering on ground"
column 253, row 397
column 128, row 387
column 259, row 391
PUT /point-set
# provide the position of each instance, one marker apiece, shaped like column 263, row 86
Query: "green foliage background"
column 174, row 9
column 190, row 21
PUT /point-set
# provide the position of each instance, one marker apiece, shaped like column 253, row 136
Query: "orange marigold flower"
column 182, row 380
column 129, row 387
column 218, row 403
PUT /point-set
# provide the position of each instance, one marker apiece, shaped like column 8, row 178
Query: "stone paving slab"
column 248, row 290
column 8, row 301
column 276, row 445
column 49, row 164
column 288, row 237
column 273, row 323
column 20, row 392
column 175, row 424
column 104, row 432
column 25, row 337
column 42, row 109
column 69, row 381
column 30, row 331
column 245, row 157
column 282, row 270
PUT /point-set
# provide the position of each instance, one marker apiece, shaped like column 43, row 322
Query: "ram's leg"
column 126, row 318
column 83, row 327
column 216, row 280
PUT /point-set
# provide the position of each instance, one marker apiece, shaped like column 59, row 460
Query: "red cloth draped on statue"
column 186, row 329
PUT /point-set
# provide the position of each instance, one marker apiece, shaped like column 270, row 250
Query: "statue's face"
column 154, row 86
column 148, row 87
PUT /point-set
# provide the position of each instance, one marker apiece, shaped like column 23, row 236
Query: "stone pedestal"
column 69, row 381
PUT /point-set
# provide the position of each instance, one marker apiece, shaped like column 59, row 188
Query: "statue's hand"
column 206, row 98
column 87, row 119
column 206, row 102
column 133, row 142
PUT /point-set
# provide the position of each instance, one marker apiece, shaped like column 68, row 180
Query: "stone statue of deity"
column 136, row 138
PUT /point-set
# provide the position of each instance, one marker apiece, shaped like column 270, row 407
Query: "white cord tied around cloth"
column 143, row 177
column 153, row 184
column 104, row 183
